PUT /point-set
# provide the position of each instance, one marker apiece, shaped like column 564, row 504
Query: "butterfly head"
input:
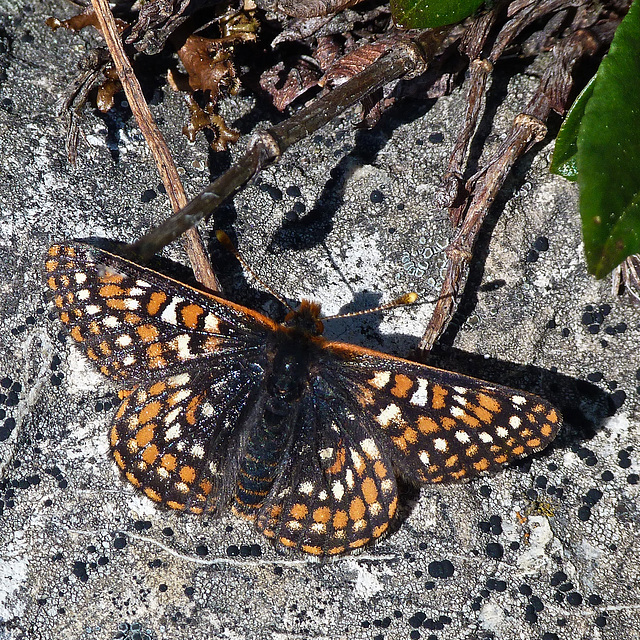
column 306, row 318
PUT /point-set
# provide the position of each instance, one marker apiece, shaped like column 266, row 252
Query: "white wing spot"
column 92, row 309
column 515, row 422
column 462, row 436
column 80, row 277
column 197, row 451
column 518, row 400
column 294, row 525
column 127, row 361
column 181, row 395
column 172, row 415
column 173, row 433
column 135, row 291
column 388, row 415
column 485, row 437
column 124, row 340
column 380, row 379
column 370, row 448
column 131, row 304
column 337, row 489
column 169, row 312
column 326, row 454
column 440, row 444
column 375, row 508
column 111, row 322
column 206, row 409
column 211, row 323
column 456, row 412
column 142, row 283
column 460, row 389
column 460, row 400
column 386, row 485
column 179, row 380
column 83, row 294
column 348, row 478
column 420, row 396
column 502, row 432
column 306, row 487
column 182, row 487
column 323, row 495
column 182, row 346
column 424, row 458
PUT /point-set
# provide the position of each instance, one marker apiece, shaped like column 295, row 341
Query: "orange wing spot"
column 539, row 408
column 358, row 543
column 178, row 506
column 448, row 423
column 336, row 550
column 483, row 414
column 379, row 530
column 356, row 509
column 110, row 278
column 105, row 348
column 481, row 465
column 552, row 416
column 472, row 451
column 168, row 461
column 525, row 433
column 145, row 435
column 156, row 300
column 501, row 459
column 132, row 479
column 94, row 328
column 113, row 436
column 70, row 297
column 531, row 417
column 206, row 487
column 313, row 550
column 190, row 315
column 393, row 505
column 157, row 388
column 110, row 291
column 77, row 336
column 51, row 265
column 369, row 490
column 427, row 425
column 534, row 442
column 147, row 332
column 70, row 251
column 438, row 397
column 149, row 411
column 116, row 303
column 546, row 430
column 402, row 387
column 105, row 370
column 451, row 461
column 124, row 393
column 131, row 318
column 322, row 514
column 54, row 250
column 119, row 460
column 410, row 435
column 340, row 519
column 121, row 409
column 53, row 285
column 92, row 354
column 58, row 301
column 341, row 456
column 518, row 450
column 470, row 421
column 298, row 511
column 77, row 313
column 488, row 403
column 154, row 350
column 150, row 454
column 400, row 442
column 196, row 510
column 64, row 279
column 456, row 475
column 190, row 413
column 64, row 317
column 188, row 474
column 379, row 469
column 364, row 396
column 285, row 542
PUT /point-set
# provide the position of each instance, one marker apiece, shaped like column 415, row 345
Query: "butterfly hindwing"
column 440, row 426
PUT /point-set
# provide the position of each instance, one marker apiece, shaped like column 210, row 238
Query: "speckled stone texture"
column 546, row 550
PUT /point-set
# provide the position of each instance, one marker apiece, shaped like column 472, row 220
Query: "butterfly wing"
column 137, row 324
column 435, row 425
column 336, row 491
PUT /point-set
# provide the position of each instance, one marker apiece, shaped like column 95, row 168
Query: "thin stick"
column 154, row 138
column 267, row 146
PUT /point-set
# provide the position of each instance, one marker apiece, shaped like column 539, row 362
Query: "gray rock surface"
column 548, row 549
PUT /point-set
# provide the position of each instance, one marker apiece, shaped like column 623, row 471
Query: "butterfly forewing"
column 133, row 321
column 440, row 426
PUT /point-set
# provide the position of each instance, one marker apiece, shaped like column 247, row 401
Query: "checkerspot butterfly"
column 224, row 406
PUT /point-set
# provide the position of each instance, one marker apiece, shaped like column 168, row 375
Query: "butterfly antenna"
column 226, row 242
column 407, row 298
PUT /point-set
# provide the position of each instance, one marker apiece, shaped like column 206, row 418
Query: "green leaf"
column 608, row 155
column 563, row 162
column 428, row 14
